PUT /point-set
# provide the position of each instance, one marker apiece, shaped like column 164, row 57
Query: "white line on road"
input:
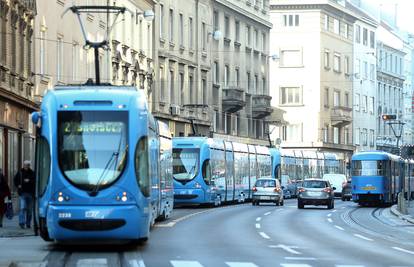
column 258, row 219
column 404, row 250
column 186, row 264
column 258, row 225
column 136, row 263
column 92, row 262
column 349, row 265
column 267, row 213
column 289, row 249
column 329, row 220
column 334, row 211
column 264, row 235
column 300, row 258
column 241, row 264
column 294, row 265
column 329, row 215
column 339, row 227
column 363, row 237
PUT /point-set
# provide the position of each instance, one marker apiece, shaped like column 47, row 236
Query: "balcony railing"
column 233, row 99
column 261, row 106
column 341, row 116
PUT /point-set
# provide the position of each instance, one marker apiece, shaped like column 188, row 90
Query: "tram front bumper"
column 96, row 222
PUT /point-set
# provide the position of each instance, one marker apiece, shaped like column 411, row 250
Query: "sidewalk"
column 11, row 228
column 409, row 217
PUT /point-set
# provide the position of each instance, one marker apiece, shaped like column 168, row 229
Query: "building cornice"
column 18, row 99
column 246, row 13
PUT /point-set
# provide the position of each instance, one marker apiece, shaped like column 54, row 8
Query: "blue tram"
column 103, row 165
column 213, row 171
column 376, row 177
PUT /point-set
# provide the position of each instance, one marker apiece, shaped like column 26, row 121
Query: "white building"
column 364, row 81
column 408, row 133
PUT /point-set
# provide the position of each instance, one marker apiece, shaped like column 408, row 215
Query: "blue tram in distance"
column 212, row 171
column 99, row 155
column 376, row 177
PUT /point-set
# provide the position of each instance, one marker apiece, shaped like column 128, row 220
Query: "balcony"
column 341, row 116
column 261, row 106
column 233, row 99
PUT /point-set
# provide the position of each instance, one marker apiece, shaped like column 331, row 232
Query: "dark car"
column 346, row 191
column 293, row 187
column 316, row 192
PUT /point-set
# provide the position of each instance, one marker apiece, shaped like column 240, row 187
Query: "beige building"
column 16, row 84
column 62, row 59
column 312, row 80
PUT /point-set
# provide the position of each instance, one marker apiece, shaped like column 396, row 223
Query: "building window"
column 337, row 26
column 347, row 100
column 237, row 74
column 75, row 61
column 216, row 20
column 372, row 72
column 290, row 20
column 256, row 84
column 181, row 30
column 345, row 32
column 326, row 133
column 346, row 135
column 263, row 86
column 171, row 80
column 326, row 97
column 357, row 67
column 326, row 59
column 42, row 55
column 226, row 76
column 204, row 93
column 364, row 103
column 326, row 22
column 191, row 89
column 216, row 72
column 371, row 39
column 346, row 65
column 294, row 132
column 171, row 26
column 290, row 96
column 203, row 36
column 248, row 82
column 248, row 36
column 182, row 92
column 190, row 33
column 162, row 33
column 371, row 137
column 336, row 138
column 357, row 135
column 371, row 105
column 291, row 58
column 226, row 27
column 59, row 58
column 337, row 63
column 237, row 31
column 256, row 39
column 337, row 99
column 365, row 70
column 365, row 36
column 263, row 42
column 162, row 80
column 358, row 34
column 364, row 137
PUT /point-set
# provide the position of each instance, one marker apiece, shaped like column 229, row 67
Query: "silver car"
column 267, row 190
column 316, row 192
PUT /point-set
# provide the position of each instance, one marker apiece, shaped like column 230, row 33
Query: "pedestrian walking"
column 24, row 180
column 4, row 192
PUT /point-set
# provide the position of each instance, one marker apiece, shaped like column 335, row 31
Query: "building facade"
column 408, row 132
column 364, row 77
column 312, row 81
column 390, row 76
column 212, row 68
column 16, row 85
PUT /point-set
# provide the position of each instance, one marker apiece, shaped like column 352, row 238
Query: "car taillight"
column 301, row 190
column 277, row 189
column 327, row 190
column 254, row 189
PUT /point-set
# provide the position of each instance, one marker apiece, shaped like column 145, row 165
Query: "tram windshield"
column 185, row 163
column 92, row 147
column 368, row 167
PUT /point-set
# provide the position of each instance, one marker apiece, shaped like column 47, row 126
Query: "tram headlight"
column 60, row 197
column 197, row 185
column 124, row 197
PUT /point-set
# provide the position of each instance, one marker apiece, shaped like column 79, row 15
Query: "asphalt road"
column 244, row 236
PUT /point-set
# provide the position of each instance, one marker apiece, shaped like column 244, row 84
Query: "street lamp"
column 147, row 14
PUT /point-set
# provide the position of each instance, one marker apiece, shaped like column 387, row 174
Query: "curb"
column 396, row 212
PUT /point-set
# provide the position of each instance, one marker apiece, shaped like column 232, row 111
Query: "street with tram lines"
column 243, row 236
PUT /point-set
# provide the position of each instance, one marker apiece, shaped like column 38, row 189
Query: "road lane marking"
column 334, row 211
column 339, row 227
column 349, row 265
column 404, row 250
column 294, row 265
column 92, row 262
column 330, row 220
column 289, row 249
column 258, row 219
column 186, row 264
column 363, row 237
column 136, row 263
column 300, row 258
column 258, row 225
column 329, row 215
column 264, row 235
column 241, row 264
column 173, row 222
column 267, row 213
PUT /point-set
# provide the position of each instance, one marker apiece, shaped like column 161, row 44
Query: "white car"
column 337, row 180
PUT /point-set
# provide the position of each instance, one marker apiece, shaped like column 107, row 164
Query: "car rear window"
column 266, row 183
column 314, row 184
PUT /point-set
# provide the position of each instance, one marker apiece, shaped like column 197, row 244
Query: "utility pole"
column 391, row 121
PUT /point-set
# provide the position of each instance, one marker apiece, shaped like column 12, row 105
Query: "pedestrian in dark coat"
column 24, row 180
column 4, row 192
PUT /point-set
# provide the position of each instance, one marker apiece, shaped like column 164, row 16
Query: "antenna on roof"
column 96, row 45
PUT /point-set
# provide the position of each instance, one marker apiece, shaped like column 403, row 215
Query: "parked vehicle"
column 346, row 191
column 267, row 190
column 336, row 180
column 316, row 192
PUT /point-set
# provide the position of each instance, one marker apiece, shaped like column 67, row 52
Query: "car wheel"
column 343, row 198
column 282, row 203
column 300, row 205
